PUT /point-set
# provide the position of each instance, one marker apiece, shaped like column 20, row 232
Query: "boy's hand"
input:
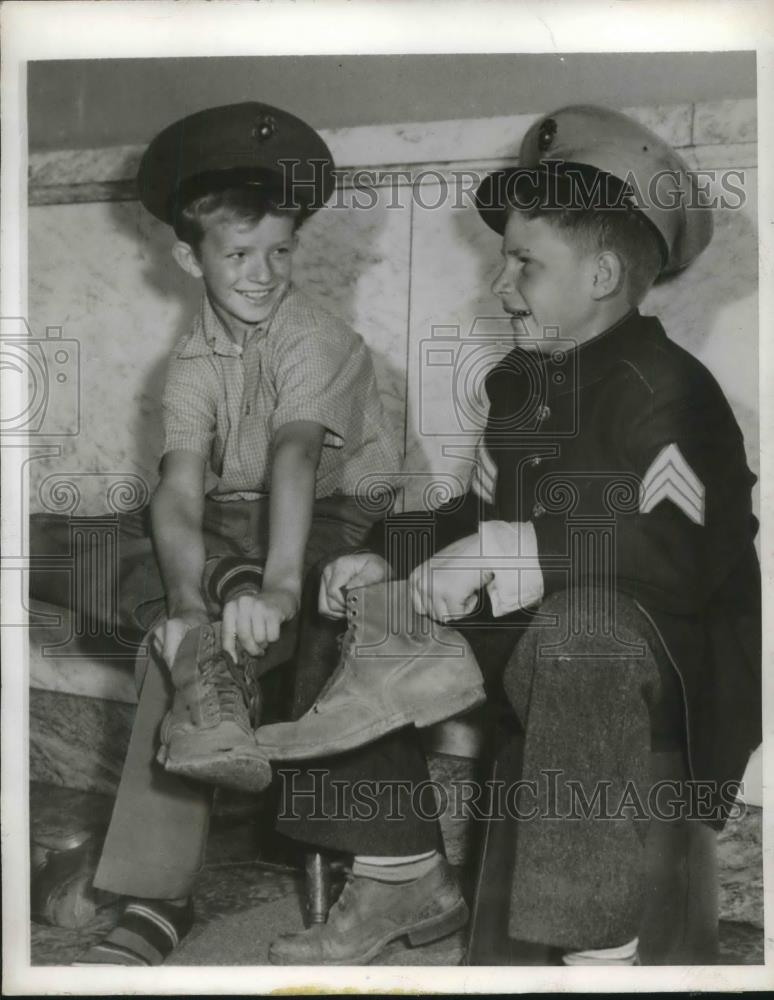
column 255, row 620
column 446, row 586
column 168, row 635
column 359, row 570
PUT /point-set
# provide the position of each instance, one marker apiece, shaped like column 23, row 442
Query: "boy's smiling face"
column 546, row 281
column 246, row 267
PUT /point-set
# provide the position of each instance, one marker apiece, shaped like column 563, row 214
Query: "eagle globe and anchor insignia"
column 264, row 128
column 547, row 134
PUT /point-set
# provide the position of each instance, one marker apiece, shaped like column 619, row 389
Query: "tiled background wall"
column 395, row 262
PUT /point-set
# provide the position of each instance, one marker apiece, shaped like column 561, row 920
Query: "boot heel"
column 440, row 927
column 448, row 709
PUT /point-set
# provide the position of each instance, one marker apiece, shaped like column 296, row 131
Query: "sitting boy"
column 280, row 398
column 609, row 529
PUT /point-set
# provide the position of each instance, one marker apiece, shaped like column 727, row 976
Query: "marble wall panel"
column 80, row 166
column 456, row 333
column 728, row 156
column 103, row 273
column 725, row 122
column 366, row 145
column 78, row 742
column 353, row 258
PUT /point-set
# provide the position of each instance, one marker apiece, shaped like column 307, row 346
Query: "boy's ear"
column 185, row 255
column 609, row 275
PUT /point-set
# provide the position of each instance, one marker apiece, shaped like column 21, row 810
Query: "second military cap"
column 247, row 143
column 655, row 177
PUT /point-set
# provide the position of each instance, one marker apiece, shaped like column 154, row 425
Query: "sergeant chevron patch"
column 670, row 477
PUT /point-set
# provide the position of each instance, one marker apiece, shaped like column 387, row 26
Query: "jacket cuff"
column 511, row 551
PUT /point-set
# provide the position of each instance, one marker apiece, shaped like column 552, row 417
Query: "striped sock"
column 147, row 933
column 401, row 869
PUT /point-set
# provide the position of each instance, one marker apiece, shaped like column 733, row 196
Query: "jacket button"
column 545, row 412
column 538, row 510
column 535, row 460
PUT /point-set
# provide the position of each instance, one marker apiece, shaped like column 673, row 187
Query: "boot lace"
column 227, row 681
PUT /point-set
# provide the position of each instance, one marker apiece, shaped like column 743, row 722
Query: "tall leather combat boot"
column 208, row 734
column 397, row 668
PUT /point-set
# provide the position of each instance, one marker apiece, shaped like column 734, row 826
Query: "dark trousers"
column 576, row 704
column 315, row 806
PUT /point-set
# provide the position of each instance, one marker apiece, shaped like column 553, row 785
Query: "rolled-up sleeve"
column 321, row 379
column 189, row 406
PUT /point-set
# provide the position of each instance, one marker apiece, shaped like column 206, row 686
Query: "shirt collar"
column 208, row 335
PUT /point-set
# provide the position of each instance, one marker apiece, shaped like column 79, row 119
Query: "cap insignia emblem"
column 264, row 128
column 546, row 134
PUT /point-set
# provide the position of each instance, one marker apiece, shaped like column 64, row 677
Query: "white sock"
column 625, row 954
column 394, row 869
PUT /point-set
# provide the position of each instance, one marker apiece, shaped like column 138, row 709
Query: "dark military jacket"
column 626, row 457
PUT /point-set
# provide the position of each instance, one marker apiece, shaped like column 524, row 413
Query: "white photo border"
column 164, row 29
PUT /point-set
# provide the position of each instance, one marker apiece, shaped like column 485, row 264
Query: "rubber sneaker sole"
column 242, row 769
column 424, row 932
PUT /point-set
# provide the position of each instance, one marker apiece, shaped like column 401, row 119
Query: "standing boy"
column 609, row 531
column 280, row 399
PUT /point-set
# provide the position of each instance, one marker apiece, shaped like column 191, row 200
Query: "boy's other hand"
column 168, row 635
column 361, row 569
column 255, row 620
column 447, row 586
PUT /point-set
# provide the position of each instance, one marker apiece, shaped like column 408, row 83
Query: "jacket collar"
column 622, row 341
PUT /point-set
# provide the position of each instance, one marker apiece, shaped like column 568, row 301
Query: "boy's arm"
column 691, row 525
column 692, row 522
column 500, row 556
column 296, row 451
column 255, row 619
column 177, row 510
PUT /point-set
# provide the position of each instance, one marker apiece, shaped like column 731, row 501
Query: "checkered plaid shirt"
column 226, row 402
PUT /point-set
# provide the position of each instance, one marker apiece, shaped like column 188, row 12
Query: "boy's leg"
column 208, row 733
column 569, row 697
column 364, row 803
column 158, row 830
column 377, row 803
column 589, row 699
column 156, row 840
column 157, row 836
column 216, row 744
